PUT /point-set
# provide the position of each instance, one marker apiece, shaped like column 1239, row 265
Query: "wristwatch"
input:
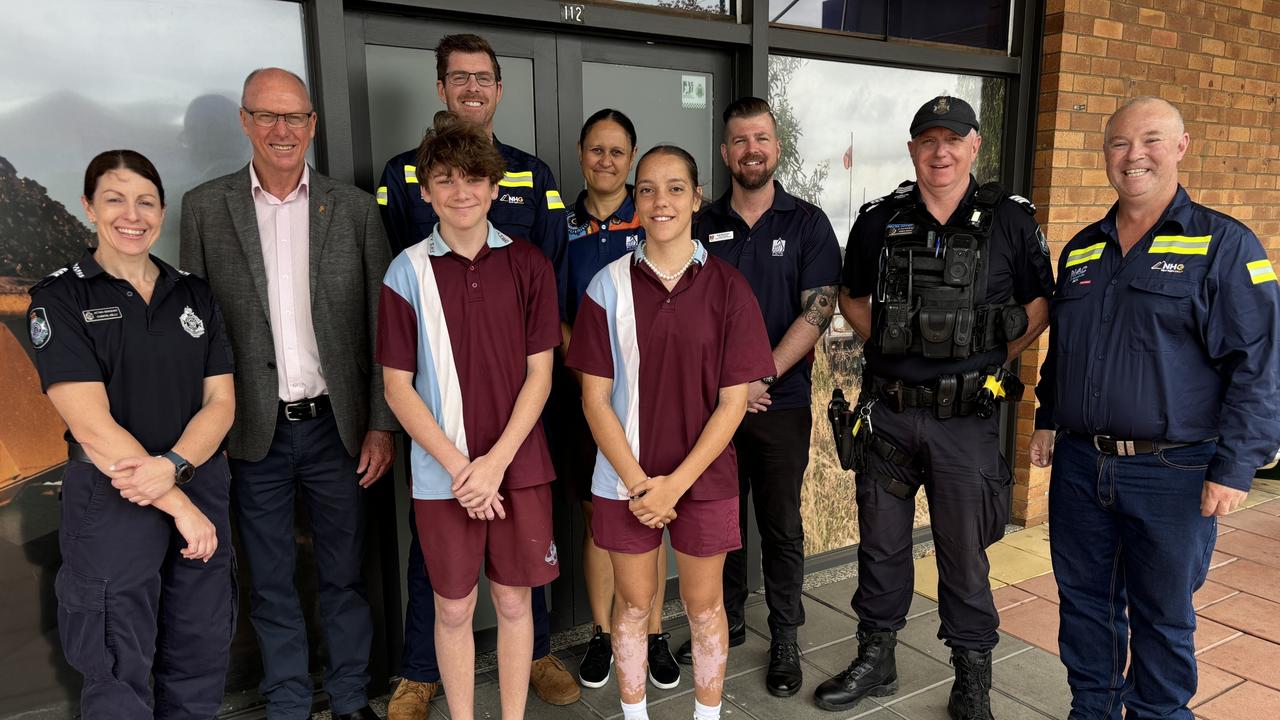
column 183, row 471
column 769, row 380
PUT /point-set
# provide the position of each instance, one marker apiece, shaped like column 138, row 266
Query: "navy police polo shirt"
column 790, row 249
column 89, row 326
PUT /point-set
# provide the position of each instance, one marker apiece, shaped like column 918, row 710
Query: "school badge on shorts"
column 552, row 557
column 39, row 327
column 191, row 322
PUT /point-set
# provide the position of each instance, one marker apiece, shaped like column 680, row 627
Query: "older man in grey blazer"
column 296, row 259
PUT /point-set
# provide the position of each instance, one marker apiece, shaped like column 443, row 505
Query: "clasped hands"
column 653, row 501
column 475, row 486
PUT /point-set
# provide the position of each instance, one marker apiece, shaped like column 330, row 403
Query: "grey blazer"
column 348, row 258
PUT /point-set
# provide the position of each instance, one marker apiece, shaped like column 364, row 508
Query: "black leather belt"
column 1108, row 445
column 76, row 453
column 309, row 409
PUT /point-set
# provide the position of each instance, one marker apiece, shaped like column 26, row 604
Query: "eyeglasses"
column 461, row 77
column 266, row 118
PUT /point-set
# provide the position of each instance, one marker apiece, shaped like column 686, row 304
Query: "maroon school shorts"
column 702, row 528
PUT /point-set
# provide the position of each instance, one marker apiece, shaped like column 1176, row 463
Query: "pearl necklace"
column 669, row 277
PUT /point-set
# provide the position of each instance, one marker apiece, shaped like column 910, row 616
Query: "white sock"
column 705, row 712
column 636, row 711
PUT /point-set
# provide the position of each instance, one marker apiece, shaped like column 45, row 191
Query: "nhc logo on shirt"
column 513, row 199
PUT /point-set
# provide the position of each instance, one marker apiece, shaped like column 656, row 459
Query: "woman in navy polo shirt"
column 603, row 227
column 132, row 353
column 667, row 339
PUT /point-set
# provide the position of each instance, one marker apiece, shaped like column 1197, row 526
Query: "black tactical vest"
column 932, row 285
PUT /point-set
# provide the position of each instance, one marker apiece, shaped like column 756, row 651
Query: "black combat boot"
column 971, row 692
column 874, row 672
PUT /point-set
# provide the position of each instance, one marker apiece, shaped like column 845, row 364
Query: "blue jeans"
column 1129, row 548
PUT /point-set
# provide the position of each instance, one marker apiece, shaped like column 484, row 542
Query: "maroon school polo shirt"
column 465, row 328
column 669, row 354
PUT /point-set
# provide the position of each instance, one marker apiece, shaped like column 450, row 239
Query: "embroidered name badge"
column 779, row 247
column 39, row 328
column 100, row 314
column 896, row 229
column 191, row 322
column 720, row 236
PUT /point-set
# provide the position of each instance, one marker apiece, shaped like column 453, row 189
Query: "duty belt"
column 1108, row 445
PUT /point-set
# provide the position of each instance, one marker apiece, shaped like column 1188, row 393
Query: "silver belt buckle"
column 290, row 407
column 1123, row 448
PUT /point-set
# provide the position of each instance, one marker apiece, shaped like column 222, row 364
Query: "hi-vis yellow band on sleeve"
column 1260, row 271
column 382, row 195
column 1181, row 244
column 410, row 174
column 1085, row 254
column 517, row 179
column 553, row 201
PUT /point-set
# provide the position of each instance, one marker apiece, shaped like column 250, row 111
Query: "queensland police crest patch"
column 191, row 322
column 39, row 328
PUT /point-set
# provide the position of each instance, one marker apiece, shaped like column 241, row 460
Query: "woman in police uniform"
column 132, row 353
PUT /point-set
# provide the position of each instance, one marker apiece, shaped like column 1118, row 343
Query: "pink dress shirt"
column 284, row 226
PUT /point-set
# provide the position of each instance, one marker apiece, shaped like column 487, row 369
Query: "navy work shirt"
column 790, row 249
column 528, row 205
column 596, row 242
column 1017, row 265
column 1174, row 341
column 89, row 326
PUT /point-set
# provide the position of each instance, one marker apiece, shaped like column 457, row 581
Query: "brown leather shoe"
column 552, row 682
column 412, row 700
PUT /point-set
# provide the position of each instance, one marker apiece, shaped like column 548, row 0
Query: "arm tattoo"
column 817, row 305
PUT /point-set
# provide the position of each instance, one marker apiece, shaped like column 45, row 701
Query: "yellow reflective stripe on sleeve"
column 1260, row 271
column 553, row 201
column 517, row 179
column 382, row 195
column 1085, row 254
column 1181, row 244
column 410, row 174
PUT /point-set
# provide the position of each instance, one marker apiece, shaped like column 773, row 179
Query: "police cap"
column 945, row 111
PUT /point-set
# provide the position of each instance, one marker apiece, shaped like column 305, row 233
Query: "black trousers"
column 967, row 483
column 773, row 452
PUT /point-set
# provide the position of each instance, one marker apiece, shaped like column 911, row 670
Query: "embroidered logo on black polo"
column 39, row 327
column 191, row 322
column 100, row 314
column 779, row 247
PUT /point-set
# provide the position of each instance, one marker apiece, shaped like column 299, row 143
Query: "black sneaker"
column 593, row 671
column 663, row 671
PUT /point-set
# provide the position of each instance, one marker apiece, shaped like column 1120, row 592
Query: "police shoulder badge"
column 39, row 327
column 191, row 322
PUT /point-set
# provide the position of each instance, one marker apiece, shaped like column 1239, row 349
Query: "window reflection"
column 844, row 132
column 975, row 23
column 711, row 7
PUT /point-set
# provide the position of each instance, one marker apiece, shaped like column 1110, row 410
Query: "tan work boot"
column 552, row 682
column 412, row 700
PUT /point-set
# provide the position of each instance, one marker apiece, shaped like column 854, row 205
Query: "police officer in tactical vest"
column 948, row 281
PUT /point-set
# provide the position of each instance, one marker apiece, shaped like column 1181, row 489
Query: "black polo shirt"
column 1018, row 268
column 88, row 326
column 790, row 249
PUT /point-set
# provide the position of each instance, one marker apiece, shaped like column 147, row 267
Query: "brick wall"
column 1219, row 62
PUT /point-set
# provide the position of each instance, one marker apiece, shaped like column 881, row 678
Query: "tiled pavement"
column 1238, row 641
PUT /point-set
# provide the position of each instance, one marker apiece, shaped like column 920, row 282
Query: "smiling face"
column 666, row 197
column 127, row 211
column 1144, row 143
column 471, row 101
column 606, row 156
column 462, row 201
column 279, row 149
column 751, row 150
column 943, row 158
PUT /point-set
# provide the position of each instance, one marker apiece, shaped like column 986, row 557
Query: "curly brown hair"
column 451, row 144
